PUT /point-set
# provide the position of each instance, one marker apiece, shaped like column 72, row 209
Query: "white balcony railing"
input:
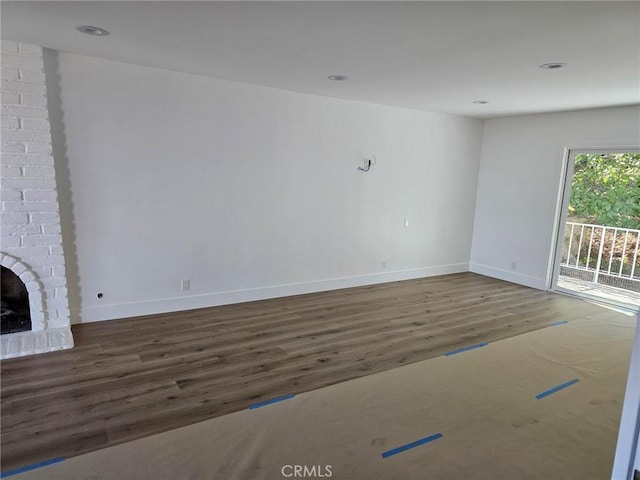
column 601, row 254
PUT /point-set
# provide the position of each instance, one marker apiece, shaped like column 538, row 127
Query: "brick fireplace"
column 31, row 239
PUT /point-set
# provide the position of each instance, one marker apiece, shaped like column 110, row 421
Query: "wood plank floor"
column 130, row 378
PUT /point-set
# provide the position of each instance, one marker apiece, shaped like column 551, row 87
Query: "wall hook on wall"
column 368, row 161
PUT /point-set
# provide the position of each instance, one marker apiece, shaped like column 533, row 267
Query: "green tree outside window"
column 606, row 190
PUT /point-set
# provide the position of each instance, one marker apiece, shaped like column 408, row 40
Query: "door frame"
column 627, row 457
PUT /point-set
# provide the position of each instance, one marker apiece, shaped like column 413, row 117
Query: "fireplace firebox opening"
column 15, row 314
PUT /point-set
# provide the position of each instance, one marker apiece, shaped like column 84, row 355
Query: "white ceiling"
column 435, row 56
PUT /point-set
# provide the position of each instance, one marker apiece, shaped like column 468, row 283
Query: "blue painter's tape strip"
column 558, row 323
column 556, row 389
column 408, row 446
column 464, row 349
column 273, row 400
column 31, row 467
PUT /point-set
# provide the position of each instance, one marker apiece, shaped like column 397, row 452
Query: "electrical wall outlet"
column 383, row 264
column 513, row 265
column 185, row 285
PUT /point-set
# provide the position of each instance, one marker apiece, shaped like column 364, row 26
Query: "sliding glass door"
column 598, row 240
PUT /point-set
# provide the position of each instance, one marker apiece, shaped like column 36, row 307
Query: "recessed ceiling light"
column 553, row 66
column 91, row 30
column 338, row 78
column 480, row 102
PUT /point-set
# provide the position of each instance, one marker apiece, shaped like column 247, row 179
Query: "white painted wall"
column 519, row 182
column 251, row 192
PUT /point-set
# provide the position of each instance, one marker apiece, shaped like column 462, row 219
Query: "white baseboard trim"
column 509, row 276
column 175, row 304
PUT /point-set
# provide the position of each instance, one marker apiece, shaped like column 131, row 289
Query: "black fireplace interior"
column 15, row 304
